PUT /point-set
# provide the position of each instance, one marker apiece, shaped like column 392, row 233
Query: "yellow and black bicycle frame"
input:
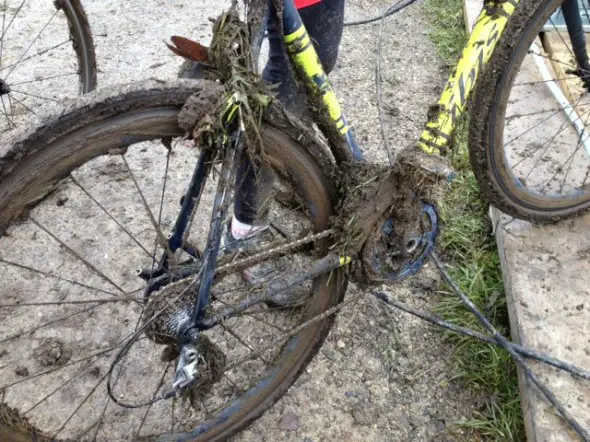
column 437, row 135
column 439, row 129
column 485, row 35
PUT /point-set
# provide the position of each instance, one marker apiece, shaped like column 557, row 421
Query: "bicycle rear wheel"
column 529, row 141
column 75, row 203
column 46, row 55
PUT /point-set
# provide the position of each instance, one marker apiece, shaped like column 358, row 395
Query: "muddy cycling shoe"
column 266, row 271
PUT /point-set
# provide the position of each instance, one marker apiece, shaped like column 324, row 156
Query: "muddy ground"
column 381, row 376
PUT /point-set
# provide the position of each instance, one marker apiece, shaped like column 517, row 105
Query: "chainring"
column 400, row 243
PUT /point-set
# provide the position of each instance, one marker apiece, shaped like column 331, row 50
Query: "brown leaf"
column 189, row 49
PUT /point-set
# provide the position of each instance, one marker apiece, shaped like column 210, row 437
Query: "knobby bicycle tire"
column 486, row 132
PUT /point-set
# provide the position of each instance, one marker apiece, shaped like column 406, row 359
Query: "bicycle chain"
column 271, row 251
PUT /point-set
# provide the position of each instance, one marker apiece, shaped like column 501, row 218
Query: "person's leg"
column 324, row 22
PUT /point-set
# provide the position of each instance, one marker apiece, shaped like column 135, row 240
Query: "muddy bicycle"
column 184, row 348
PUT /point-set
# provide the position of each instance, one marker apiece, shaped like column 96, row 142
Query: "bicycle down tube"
column 438, row 131
column 483, row 39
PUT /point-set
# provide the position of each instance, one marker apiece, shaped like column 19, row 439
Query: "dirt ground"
column 381, row 375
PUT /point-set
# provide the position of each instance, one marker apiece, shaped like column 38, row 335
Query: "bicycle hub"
column 4, row 88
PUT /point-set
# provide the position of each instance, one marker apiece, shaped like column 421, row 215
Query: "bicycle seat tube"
column 310, row 69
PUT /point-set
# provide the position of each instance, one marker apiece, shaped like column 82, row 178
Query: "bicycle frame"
column 438, row 132
column 435, row 138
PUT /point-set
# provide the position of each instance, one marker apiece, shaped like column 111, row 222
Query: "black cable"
column 386, row 147
column 515, row 356
column 389, row 11
column 565, row 366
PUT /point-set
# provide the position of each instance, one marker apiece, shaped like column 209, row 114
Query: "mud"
column 52, row 352
column 372, row 194
column 11, row 420
column 198, row 106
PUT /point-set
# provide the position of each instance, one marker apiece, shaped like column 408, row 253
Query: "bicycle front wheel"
column 529, row 136
column 84, row 201
column 46, row 54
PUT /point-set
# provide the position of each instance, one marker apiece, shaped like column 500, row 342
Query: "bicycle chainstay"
column 269, row 252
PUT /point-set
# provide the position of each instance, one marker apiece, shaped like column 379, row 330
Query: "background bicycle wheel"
column 369, row 382
column 46, row 55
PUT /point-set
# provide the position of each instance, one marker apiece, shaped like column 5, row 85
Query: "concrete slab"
column 546, row 268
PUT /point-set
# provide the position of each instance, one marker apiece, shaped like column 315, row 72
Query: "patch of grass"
column 470, row 250
column 447, row 27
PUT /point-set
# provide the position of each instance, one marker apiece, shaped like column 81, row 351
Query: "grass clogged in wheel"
column 469, row 248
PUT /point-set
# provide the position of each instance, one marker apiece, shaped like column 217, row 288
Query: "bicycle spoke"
column 107, row 396
column 566, row 45
column 47, row 396
column 51, row 275
column 149, row 407
column 291, row 333
column 42, row 52
column 46, row 324
column 102, row 413
column 553, row 59
column 77, row 255
column 31, row 44
column 168, row 152
column 530, row 83
column 172, row 406
column 554, row 111
column 10, row 106
column 85, row 301
column 44, row 79
column 581, row 142
column 564, row 126
column 246, row 313
column 207, row 412
column 155, row 224
column 77, row 183
column 236, row 386
column 80, row 405
column 41, row 97
column 241, row 341
column 5, row 30
column 2, row 32
column 568, row 160
column 5, row 112
column 67, row 364
column 23, row 104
